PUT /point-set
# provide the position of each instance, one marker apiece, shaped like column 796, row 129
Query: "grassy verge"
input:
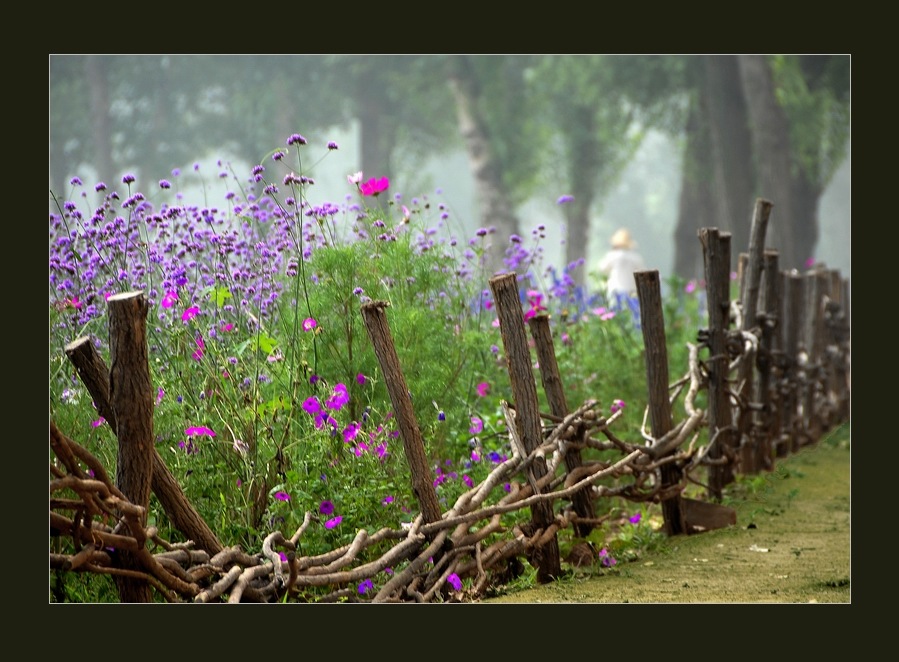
column 791, row 544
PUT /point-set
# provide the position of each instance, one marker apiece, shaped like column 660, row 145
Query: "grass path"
column 791, row 544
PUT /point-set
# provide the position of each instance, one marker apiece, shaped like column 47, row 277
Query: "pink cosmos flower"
column 355, row 178
column 198, row 429
column 477, row 425
column 169, row 299
column 189, row 314
column 331, row 523
column 374, row 186
column 483, row 389
column 198, row 354
column 309, row 323
column 339, row 397
column 282, row 496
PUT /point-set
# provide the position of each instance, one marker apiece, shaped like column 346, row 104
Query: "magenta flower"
column 169, row 300
column 282, row 496
column 633, row 519
column 360, row 379
column 454, row 580
column 198, row 353
column 690, row 287
column 189, row 314
column 311, row 405
column 100, row 421
column 331, row 523
column 617, row 405
column 607, row 559
column 326, row 507
column 467, row 480
column 350, row 432
column 386, row 501
column 477, row 425
column 197, row 430
column 339, row 397
column 374, row 186
column 483, row 389
column 309, row 323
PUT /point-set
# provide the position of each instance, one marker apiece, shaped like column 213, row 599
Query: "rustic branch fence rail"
column 776, row 378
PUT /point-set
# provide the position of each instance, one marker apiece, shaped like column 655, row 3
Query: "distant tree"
column 799, row 119
column 598, row 132
column 774, row 127
column 717, row 177
column 503, row 137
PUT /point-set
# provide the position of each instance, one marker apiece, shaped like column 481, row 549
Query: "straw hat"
column 622, row 239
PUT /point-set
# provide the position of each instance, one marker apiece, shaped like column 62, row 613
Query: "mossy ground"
column 791, row 544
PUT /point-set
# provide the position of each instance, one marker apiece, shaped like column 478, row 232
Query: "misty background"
column 660, row 144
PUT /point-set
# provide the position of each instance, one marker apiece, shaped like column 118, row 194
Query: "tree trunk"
column 694, row 212
column 377, row 132
column 771, row 148
column 493, row 199
column 583, row 159
column 730, row 147
column 131, row 395
column 98, row 84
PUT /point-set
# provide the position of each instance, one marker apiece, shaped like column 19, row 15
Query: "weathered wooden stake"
column 652, row 322
column 413, row 444
column 527, row 413
column 558, row 404
column 95, row 376
column 716, row 252
column 794, row 304
column 131, row 395
column 766, row 421
column 750, row 324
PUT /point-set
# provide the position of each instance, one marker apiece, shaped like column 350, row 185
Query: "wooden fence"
column 774, row 366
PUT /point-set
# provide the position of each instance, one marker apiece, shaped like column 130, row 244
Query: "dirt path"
column 791, row 544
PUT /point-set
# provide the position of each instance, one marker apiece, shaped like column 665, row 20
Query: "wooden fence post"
column 413, row 444
column 813, row 319
column 131, row 395
column 793, row 309
column 95, row 376
column 558, row 404
column 766, row 420
column 527, row 414
column 716, row 252
column 652, row 322
column 749, row 298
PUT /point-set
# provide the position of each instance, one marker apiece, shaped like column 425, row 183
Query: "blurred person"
column 618, row 266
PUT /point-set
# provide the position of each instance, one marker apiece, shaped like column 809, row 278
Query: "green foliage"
column 815, row 94
column 270, row 401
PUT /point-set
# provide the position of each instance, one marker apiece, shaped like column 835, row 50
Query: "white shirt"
column 619, row 265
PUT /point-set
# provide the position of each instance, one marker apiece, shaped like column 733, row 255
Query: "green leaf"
column 219, row 295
